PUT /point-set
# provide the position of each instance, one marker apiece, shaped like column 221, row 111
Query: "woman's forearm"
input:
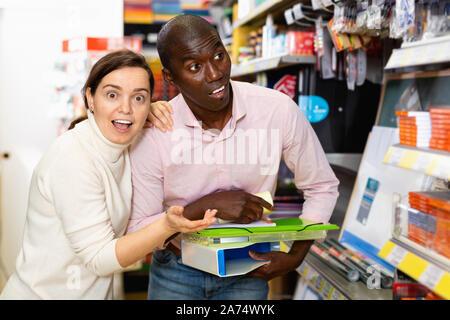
column 135, row 246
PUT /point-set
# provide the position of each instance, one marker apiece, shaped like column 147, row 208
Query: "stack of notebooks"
column 196, row 7
column 223, row 249
column 138, row 11
column 440, row 128
column 429, row 220
column 164, row 10
column 414, row 128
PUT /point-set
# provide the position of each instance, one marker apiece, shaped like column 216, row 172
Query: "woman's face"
column 121, row 103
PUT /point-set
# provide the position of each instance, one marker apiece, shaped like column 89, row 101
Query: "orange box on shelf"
column 440, row 110
column 102, row 44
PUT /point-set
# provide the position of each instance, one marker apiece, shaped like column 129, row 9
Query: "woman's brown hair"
column 107, row 64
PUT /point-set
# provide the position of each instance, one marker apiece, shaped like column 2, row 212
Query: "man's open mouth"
column 218, row 92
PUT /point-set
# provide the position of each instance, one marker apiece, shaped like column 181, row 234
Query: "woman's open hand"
column 160, row 116
column 177, row 223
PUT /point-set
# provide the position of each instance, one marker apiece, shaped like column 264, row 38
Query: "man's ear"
column 90, row 99
column 167, row 75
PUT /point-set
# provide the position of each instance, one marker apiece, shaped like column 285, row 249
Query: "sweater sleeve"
column 78, row 195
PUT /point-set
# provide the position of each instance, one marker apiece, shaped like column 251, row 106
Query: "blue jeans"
column 172, row 280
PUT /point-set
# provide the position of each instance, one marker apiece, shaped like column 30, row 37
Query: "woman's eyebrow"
column 141, row 89
column 112, row 85
column 120, row 88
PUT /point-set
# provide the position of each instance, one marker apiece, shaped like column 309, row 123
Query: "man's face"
column 201, row 71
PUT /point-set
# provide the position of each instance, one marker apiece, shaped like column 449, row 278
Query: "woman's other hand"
column 178, row 223
column 160, row 116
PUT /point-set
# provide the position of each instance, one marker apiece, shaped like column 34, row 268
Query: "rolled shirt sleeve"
column 305, row 157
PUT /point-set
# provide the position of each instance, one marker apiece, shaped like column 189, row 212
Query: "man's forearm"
column 300, row 248
column 195, row 210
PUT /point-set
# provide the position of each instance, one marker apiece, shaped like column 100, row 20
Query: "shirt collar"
column 238, row 109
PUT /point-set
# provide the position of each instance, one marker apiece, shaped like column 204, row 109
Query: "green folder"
column 287, row 229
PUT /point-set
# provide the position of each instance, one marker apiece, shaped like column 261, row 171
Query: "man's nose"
column 213, row 73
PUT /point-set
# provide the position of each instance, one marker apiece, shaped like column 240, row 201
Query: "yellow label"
column 384, row 252
column 433, row 165
column 413, row 265
column 388, row 154
column 409, row 159
column 443, row 287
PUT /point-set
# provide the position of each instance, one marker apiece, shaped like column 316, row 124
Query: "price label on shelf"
column 423, row 162
column 394, row 155
column 408, row 159
column 431, row 276
column 396, row 256
column 442, row 168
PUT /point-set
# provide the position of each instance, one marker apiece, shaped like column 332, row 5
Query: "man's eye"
column 194, row 67
column 218, row 56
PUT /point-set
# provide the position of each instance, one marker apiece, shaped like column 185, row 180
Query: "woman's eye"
column 111, row 95
column 139, row 98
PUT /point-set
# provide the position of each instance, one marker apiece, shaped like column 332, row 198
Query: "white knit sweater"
column 79, row 204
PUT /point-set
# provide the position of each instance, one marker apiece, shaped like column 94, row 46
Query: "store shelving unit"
column 432, row 270
column 264, row 64
column 332, row 286
column 405, row 64
column 435, row 163
column 260, row 12
column 256, row 17
column 420, row 53
column 422, row 264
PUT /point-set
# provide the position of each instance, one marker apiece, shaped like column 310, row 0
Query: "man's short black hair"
column 184, row 27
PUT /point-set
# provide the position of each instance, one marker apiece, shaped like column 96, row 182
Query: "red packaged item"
column 300, row 43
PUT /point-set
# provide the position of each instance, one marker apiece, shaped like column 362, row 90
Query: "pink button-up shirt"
column 181, row 166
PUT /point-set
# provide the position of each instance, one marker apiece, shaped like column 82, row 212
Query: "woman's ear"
column 90, row 99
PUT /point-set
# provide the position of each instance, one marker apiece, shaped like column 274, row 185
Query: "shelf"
column 261, row 11
column 418, row 264
column 435, row 163
column 332, row 286
column 264, row 64
column 222, row 3
column 420, row 53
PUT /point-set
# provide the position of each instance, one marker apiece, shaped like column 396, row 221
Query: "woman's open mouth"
column 122, row 125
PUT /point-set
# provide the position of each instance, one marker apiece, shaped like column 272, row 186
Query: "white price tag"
column 396, row 156
column 431, row 276
column 327, row 3
column 396, row 256
column 422, row 162
column 298, row 12
column 442, row 169
column 289, row 17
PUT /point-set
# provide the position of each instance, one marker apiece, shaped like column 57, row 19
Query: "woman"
column 80, row 194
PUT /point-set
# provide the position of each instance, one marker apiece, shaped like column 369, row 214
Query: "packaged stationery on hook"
column 402, row 19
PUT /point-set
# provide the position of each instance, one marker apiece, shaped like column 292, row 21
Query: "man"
column 227, row 142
